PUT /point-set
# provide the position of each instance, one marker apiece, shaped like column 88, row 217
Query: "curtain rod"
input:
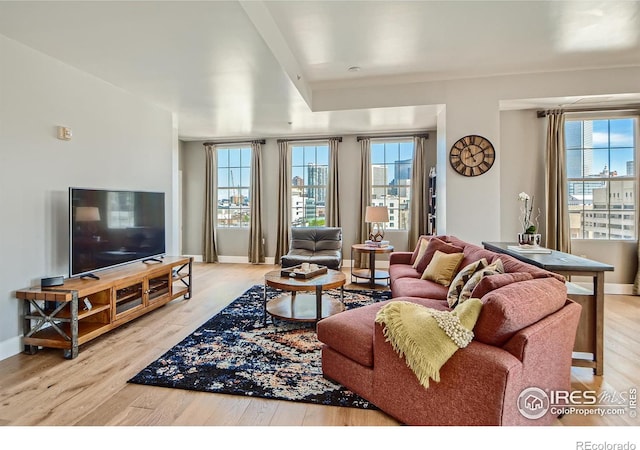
column 546, row 112
column 259, row 141
column 303, row 139
column 424, row 135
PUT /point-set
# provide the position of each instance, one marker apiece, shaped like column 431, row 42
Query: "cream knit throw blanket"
column 426, row 337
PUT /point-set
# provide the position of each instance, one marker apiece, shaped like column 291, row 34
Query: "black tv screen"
column 108, row 228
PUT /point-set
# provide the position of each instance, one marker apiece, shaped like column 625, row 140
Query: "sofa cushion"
column 443, row 267
column 351, row 332
column 493, row 282
column 423, row 238
column 415, row 287
column 474, row 253
column 435, row 244
column 461, row 279
column 515, row 306
column 492, row 269
column 440, row 305
column 512, row 264
column 402, row 271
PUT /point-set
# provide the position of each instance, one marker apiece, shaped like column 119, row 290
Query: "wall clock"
column 472, row 155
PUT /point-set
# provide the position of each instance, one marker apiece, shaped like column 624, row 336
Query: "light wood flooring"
column 92, row 389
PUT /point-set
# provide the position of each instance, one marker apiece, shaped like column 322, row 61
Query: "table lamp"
column 376, row 215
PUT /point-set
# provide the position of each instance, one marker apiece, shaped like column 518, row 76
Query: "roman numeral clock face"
column 472, row 155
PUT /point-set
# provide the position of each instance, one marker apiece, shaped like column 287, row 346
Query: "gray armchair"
column 315, row 245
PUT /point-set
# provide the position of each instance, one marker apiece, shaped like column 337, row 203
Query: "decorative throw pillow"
column 492, row 269
column 442, row 267
column 435, row 244
column 493, row 282
column 461, row 279
column 419, row 252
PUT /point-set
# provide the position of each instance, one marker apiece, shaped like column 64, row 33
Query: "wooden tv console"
column 70, row 315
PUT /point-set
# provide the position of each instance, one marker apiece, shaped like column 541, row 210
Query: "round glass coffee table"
column 306, row 302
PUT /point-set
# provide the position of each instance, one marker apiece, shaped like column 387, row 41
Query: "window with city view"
column 391, row 167
column 234, row 178
column 309, row 172
column 601, row 175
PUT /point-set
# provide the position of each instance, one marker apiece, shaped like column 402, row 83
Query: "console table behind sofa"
column 590, row 336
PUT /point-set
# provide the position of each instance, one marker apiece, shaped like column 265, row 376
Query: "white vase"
column 529, row 239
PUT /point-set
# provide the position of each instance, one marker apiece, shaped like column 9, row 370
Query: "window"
column 601, row 177
column 120, row 209
column 234, row 178
column 391, row 167
column 309, row 171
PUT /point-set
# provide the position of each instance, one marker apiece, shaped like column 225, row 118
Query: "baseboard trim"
column 233, row 259
column 611, row 288
column 10, row 347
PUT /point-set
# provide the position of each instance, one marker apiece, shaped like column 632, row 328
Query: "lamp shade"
column 376, row 214
column 87, row 214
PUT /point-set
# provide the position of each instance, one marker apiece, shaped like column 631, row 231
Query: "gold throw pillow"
column 442, row 267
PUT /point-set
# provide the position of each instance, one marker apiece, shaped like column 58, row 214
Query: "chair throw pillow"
column 461, row 279
column 434, row 245
column 494, row 268
column 443, row 267
column 426, row 337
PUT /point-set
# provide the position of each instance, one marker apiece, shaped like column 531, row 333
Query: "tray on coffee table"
column 292, row 273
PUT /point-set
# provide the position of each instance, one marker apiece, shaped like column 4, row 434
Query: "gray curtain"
column 361, row 260
column 256, row 244
column 557, row 216
column 419, row 203
column 333, row 194
column 209, row 253
column 284, row 202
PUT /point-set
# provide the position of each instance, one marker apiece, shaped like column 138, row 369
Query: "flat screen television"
column 109, row 228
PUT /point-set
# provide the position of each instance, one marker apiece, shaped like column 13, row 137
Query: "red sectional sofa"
column 524, row 338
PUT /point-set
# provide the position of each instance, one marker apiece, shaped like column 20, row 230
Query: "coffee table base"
column 307, row 301
column 302, row 307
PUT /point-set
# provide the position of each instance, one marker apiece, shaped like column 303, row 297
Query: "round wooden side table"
column 371, row 273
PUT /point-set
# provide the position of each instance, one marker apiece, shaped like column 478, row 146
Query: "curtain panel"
column 419, row 204
column 284, row 201
column 361, row 260
column 333, row 192
column 256, row 242
column 557, row 217
column 209, row 252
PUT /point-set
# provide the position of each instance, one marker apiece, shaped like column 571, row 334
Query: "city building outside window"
column 601, row 176
column 391, row 168
column 234, row 178
column 309, row 172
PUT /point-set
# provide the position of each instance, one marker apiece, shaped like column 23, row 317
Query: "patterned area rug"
column 232, row 353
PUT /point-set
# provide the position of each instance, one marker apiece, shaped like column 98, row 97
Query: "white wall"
column 522, row 137
column 119, row 141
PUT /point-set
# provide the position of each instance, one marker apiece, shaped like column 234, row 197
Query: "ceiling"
column 249, row 68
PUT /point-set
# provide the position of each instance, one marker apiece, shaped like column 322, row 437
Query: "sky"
column 613, row 143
